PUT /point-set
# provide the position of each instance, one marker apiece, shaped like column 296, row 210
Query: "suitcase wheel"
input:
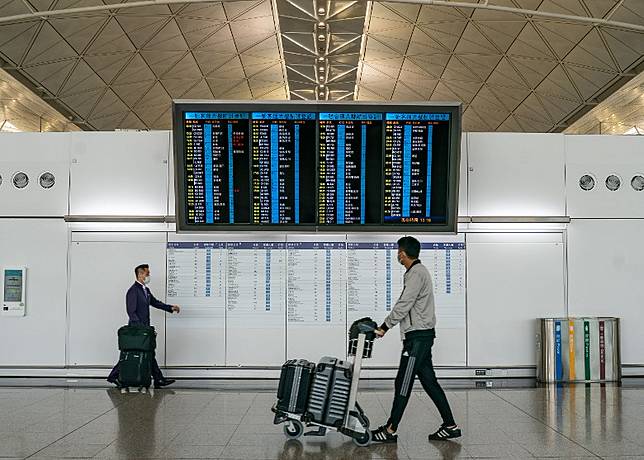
column 293, row 429
column 363, row 440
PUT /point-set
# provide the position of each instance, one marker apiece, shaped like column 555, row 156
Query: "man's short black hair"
column 410, row 245
column 140, row 269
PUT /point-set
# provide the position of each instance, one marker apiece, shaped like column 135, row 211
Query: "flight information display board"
column 281, row 161
column 216, row 165
column 316, row 166
column 349, row 174
column 415, row 146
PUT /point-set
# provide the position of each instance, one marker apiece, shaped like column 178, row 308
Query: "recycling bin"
column 584, row 349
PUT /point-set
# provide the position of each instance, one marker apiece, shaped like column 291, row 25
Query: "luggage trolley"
column 356, row 422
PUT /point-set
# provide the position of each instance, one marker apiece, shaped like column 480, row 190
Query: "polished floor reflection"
column 566, row 422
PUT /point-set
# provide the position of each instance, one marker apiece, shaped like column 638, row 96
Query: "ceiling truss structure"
column 517, row 65
column 513, row 71
column 621, row 113
column 112, row 70
column 321, row 40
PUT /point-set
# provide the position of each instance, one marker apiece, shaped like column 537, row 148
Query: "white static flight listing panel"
column 316, row 299
column 375, row 281
column 301, row 294
column 446, row 264
column 197, row 282
column 256, row 301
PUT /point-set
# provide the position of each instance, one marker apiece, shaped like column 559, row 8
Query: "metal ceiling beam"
column 442, row 3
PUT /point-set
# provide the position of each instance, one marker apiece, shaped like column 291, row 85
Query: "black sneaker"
column 384, row 436
column 444, row 433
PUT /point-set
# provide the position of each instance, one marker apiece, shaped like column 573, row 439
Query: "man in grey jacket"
column 415, row 313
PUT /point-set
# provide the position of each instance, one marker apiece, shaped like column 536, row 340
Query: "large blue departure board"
column 281, row 159
column 410, row 142
column 316, row 166
column 349, row 173
column 216, row 159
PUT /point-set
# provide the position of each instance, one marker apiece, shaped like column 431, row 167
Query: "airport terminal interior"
column 321, row 229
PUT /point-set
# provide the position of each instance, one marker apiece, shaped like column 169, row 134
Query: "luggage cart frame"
column 356, row 423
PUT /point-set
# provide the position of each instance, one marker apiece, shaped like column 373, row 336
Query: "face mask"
column 147, row 280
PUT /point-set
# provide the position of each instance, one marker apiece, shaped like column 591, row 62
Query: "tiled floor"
column 569, row 422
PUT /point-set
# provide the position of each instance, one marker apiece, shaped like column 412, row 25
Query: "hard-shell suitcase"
column 330, row 390
column 137, row 338
column 295, row 382
column 135, row 369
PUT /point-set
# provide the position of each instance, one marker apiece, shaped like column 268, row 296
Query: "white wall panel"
column 171, row 188
column 601, row 156
column 122, row 173
column 37, row 339
column 516, row 174
column 34, row 154
column 606, row 262
column 101, row 273
column 462, row 183
column 512, row 279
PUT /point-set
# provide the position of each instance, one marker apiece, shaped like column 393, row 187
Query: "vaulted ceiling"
column 513, row 71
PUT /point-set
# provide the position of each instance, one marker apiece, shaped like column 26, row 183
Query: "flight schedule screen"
column 216, row 167
column 349, row 168
column 283, row 167
column 415, row 167
column 316, row 166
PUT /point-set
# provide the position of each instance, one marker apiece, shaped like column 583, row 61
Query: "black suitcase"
column 295, row 382
column 135, row 369
column 330, row 390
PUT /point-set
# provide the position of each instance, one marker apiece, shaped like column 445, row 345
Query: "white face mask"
column 146, row 280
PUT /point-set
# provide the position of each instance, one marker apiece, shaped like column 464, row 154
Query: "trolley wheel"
column 363, row 440
column 293, row 429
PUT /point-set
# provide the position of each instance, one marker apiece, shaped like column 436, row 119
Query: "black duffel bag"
column 137, row 338
column 366, row 326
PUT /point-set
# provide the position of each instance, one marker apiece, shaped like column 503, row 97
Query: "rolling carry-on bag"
column 295, row 382
column 329, row 395
column 137, row 345
column 135, row 369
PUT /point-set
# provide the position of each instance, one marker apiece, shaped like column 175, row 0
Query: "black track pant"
column 416, row 360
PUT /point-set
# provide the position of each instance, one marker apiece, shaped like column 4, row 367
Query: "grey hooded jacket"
column 415, row 309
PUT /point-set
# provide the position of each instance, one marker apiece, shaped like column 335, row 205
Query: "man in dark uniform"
column 414, row 312
column 138, row 301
